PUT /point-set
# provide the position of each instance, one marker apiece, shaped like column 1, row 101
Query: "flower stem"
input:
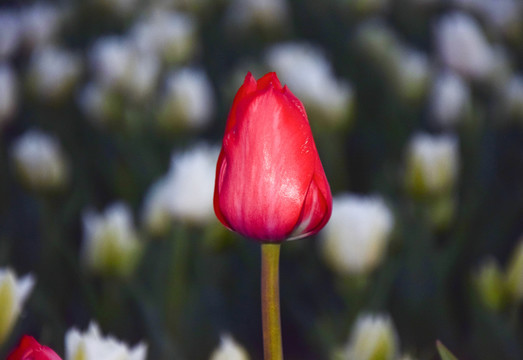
column 270, row 299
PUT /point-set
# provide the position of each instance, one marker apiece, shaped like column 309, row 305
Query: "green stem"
column 270, row 299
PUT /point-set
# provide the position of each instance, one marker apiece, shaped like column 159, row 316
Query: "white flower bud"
column 170, row 35
column 373, row 337
column 39, row 161
column 188, row 100
column 9, row 91
column 10, row 28
column 307, row 72
column 513, row 97
column 462, row 46
column 92, row 345
column 13, row 293
column 53, row 72
column 356, row 236
column 111, row 245
column 229, row 349
column 40, row 23
column 191, row 184
column 449, row 99
column 432, row 164
column 412, row 73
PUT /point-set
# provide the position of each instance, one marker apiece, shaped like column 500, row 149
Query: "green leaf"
column 444, row 352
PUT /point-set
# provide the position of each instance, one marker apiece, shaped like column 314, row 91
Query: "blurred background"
column 111, row 117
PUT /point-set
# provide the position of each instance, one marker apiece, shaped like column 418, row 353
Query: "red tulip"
column 30, row 349
column 270, row 184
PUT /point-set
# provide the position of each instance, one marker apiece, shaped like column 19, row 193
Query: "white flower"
column 247, row 14
column 356, row 236
column 462, row 46
column 186, row 192
column 309, row 75
column 119, row 65
column 432, row 164
column 13, row 293
column 9, row 93
column 10, row 28
column 188, row 100
column 373, row 337
column 449, row 98
column 40, row 23
column 93, row 100
column 412, row 73
column 229, row 349
column 53, row 71
column 111, row 245
column 40, row 161
column 91, row 345
column 168, row 34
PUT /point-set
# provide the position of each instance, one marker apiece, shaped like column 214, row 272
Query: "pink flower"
column 30, row 349
column 270, row 184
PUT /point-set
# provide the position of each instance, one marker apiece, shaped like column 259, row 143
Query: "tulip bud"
column 306, row 70
column 8, row 89
column 13, row 293
column 270, row 184
column 188, row 101
column 10, row 28
column 53, row 72
column 490, row 284
column 514, row 275
column 170, row 35
column 373, row 337
column 449, row 99
column 41, row 23
column 462, row 46
column 91, row 345
column 355, row 239
column 30, row 349
column 111, row 245
column 257, row 15
column 432, row 164
column 40, row 162
column 229, row 349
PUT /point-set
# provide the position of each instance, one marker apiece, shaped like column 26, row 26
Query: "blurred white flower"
column 92, row 345
column 432, row 164
column 93, row 100
column 9, row 93
column 229, row 349
column 168, row 34
column 373, row 337
column 53, row 71
column 188, row 100
column 355, row 238
column 450, row 97
column 118, row 64
column 13, row 293
column 40, row 23
column 111, row 245
column 309, row 75
column 462, row 46
column 39, row 161
column 10, row 28
column 186, row 192
column 254, row 14
column 412, row 73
